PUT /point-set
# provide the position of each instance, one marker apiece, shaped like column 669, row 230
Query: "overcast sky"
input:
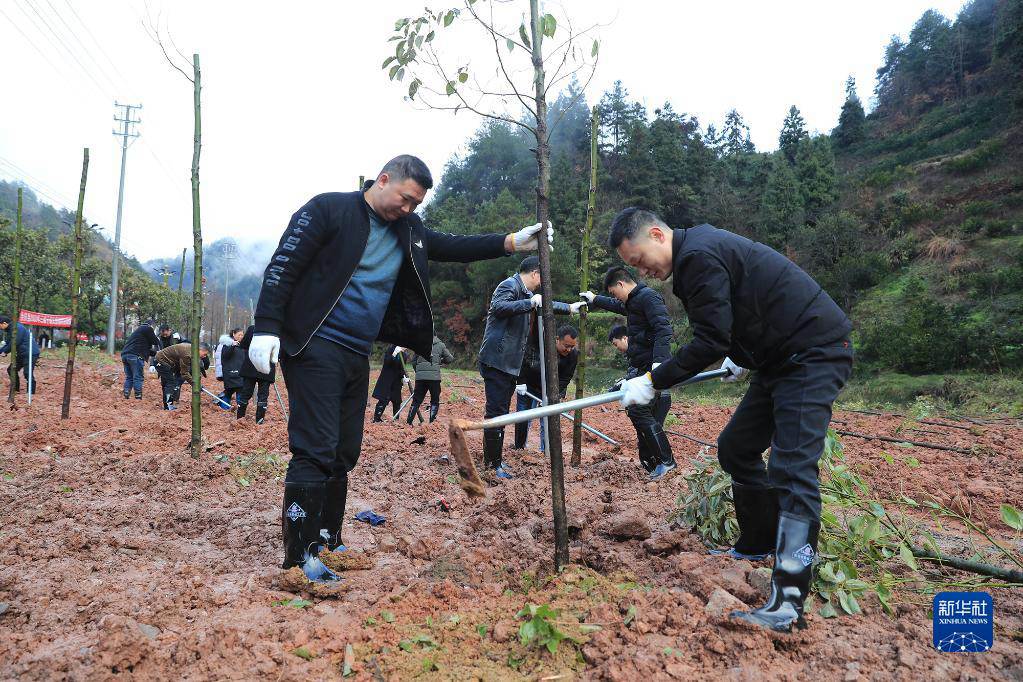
column 295, row 103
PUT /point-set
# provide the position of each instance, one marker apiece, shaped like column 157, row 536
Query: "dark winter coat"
column 388, row 386
column 232, row 358
column 23, row 338
column 248, row 369
column 319, row 253
column 745, row 301
column 428, row 369
column 143, row 342
column 530, row 375
column 508, row 323
column 647, row 324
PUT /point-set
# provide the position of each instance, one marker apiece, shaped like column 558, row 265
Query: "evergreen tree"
column 818, row 180
column 852, row 118
column 793, row 131
column 781, row 208
column 735, row 139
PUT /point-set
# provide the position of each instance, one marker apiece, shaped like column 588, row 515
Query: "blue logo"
column 804, row 554
column 964, row 622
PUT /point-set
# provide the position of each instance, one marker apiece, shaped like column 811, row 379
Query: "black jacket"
column 529, row 374
column 248, row 370
column 388, row 386
column 647, row 325
column 318, row 255
column 142, row 342
column 232, row 359
column 21, row 341
column 744, row 300
column 508, row 323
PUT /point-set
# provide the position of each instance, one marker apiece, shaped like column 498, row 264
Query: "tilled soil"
column 123, row 557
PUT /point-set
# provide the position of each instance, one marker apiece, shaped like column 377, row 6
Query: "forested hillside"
column 910, row 216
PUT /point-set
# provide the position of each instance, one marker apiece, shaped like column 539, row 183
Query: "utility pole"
column 126, row 121
column 228, row 251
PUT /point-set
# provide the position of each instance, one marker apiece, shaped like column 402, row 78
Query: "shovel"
column 216, row 397
column 469, row 477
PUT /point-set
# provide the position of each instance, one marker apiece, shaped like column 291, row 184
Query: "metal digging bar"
column 586, row 427
column 469, row 476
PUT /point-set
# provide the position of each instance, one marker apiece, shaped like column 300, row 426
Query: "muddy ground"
column 122, row 557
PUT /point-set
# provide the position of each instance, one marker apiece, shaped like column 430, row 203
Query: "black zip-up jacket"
column 647, row 324
column 529, row 374
column 142, row 342
column 744, row 300
column 319, row 253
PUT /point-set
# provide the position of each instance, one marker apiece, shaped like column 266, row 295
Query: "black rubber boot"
column 336, row 495
column 241, row 410
column 301, row 520
column 434, row 409
column 660, row 450
column 646, row 459
column 521, row 435
column 795, row 550
column 378, row 412
column 260, row 413
column 756, row 510
column 412, row 410
column 127, row 395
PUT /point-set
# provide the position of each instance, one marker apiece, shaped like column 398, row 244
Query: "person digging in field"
column 427, row 370
column 393, row 376
column 228, row 361
column 568, row 357
column 22, row 337
column 509, row 321
column 174, row 366
column 253, row 381
column 758, row 309
column 140, row 346
column 350, row 269
column 649, row 344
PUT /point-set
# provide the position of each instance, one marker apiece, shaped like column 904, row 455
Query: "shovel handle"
column 579, row 404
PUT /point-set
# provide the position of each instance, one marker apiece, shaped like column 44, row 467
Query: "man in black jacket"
column 351, row 268
column 509, row 320
column 649, row 333
column 566, row 344
column 140, row 346
column 751, row 304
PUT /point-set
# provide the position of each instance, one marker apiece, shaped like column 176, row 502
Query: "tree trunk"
column 584, row 284
column 76, row 274
column 196, row 443
column 17, row 303
column 550, row 358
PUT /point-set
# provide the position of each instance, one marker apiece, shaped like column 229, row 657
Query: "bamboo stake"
column 584, row 283
column 196, row 443
column 76, row 284
column 917, row 443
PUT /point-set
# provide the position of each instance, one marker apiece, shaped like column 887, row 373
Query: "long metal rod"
column 543, row 383
column 283, row 408
column 215, row 397
column 586, row 427
column 582, row 403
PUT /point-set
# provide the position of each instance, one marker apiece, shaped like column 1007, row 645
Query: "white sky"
column 295, row 102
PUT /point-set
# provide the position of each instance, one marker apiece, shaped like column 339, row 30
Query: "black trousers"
column 787, row 408
column 23, row 368
column 644, row 416
column 248, row 386
column 498, row 387
column 170, row 383
column 327, row 386
column 420, row 389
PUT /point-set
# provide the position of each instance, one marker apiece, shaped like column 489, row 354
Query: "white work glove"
column 152, row 370
column 526, row 239
column 573, row 308
column 587, row 295
column 638, row 391
column 536, row 300
column 654, row 366
column 406, row 381
column 264, row 351
column 397, row 351
column 736, row 371
column 520, row 389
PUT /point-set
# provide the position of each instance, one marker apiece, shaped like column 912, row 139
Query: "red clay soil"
column 122, row 557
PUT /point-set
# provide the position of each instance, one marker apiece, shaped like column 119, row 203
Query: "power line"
column 58, row 43
column 99, row 45
column 30, row 42
column 74, row 36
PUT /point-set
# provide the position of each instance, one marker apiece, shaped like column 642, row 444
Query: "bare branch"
column 154, row 34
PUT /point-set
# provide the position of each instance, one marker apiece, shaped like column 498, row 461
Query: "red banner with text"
column 43, row 319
